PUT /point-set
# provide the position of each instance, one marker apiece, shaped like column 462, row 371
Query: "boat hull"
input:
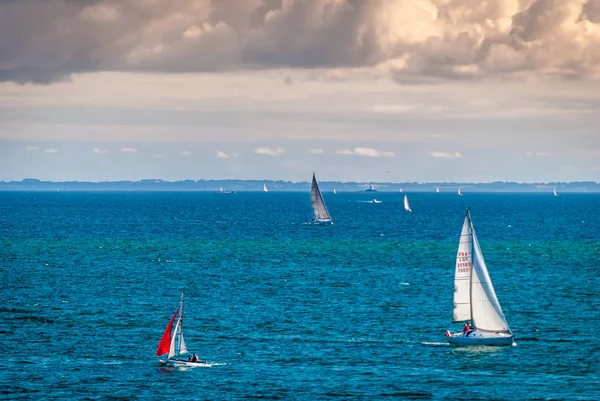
column 322, row 221
column 176, row 363
column 481, row 338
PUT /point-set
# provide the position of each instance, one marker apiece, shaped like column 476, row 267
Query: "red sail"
column 165, row 342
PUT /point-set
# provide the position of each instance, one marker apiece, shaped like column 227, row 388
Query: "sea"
column 286, row 310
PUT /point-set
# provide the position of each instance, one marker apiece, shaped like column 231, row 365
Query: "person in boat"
column 194, row 358
column 466, row 328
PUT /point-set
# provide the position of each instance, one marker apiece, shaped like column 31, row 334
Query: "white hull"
column 481, row 338
column 183, row 364
column 322, row 221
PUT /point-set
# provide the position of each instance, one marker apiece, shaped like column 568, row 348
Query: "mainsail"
column 406, row 205
column 474, row 295
column 318, row 204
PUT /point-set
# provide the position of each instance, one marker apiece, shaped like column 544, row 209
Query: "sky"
column 354, row 90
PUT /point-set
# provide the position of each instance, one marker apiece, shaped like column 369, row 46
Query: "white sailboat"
column 401, row 190
column 321, row 214
column 555, row 194
column 334, row 192
column 475, row 300
column 406, row 205
column 265, row 189
column 172, row 345
column 437, row 189
column 459, row 194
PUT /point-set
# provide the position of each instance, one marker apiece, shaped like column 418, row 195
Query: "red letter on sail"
column 165, row 341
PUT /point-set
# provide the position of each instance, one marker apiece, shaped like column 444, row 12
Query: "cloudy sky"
column 361, row 90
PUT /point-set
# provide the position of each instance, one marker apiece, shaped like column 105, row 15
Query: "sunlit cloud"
column 185, row 153
column 30, row 148
column 128, row 150
column 99, row 151
column 366, row 152
column 51, row 150
column 269, row 151
column 446, row 155
column 222, row 155
column 317, row 151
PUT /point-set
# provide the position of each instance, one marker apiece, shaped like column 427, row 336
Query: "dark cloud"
column 410, row 40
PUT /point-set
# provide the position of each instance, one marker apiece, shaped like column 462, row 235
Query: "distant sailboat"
column 376, row 201
column 334, row 192
column 475, row 300
column 173, row 345
column 459, row 194
column 406, row 205
column 371, row 188
column 265, row 189
column 437, row 189
column 321, row 214
column 401, row 190
column 555, row 194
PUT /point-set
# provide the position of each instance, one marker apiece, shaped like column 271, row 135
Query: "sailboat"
column 475, row 300
column 406, row 205
column 265, row 189
column 437, row 189
column 555, row 194
column 172, row 345
column 318, row 204
column 371, row 188
column 459, row 194
column 334, row 192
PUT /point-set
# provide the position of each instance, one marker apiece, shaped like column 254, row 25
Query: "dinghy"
column 475, row 301
column 172, row 346
column 406, row 205
column 321, row 214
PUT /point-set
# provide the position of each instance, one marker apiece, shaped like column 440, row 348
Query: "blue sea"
column 288, row 310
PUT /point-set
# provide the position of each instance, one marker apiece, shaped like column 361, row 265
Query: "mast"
column 471, row 267
column 181, row 325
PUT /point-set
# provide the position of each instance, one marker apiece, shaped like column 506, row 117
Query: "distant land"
column 31, row 184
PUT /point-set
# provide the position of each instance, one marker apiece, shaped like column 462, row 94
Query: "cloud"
column 367, row 152
column 185, row 153
column 222, row 155
column 445, row 155
column 317, row 151
column 128, row 150
column 99, row 151
column 269, row 151
column 539, row 154
column 30, row 148
column 406, row 40
column 51, row 150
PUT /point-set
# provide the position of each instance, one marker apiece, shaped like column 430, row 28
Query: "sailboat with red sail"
column 172, row 350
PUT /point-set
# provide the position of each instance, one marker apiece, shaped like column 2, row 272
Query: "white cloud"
column 222, row 155
column 317, row 151
column 446, row 155
column 367, row 152
column 158, row 156
column 185, row 153
column 540, row 154
column 269, row 151
column 99, row 151
column 51, row 150
column 128, row 150
column 30, row 148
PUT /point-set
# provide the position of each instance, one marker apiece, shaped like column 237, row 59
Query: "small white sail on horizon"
column 265, row 189
column 459, row 193
column 321, row 214
column 334, row 192
column 475, row 299
column 555, row 194
column 406, row 205
column 437, row 189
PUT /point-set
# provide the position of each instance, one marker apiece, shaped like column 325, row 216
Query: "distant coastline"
column 326, row 186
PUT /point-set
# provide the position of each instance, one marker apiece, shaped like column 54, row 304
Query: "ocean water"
column 288, row 310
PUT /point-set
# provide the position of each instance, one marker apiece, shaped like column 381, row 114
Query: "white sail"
column 555, row 194
column 265, row 189
column 459, row 194
column 486, row 311
column 182, row 346
column 437, row 189
column 318, row 204
column 406, row 205
column 401, row 190
column 462, row 274
column 173, row 348
column 334, row 191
